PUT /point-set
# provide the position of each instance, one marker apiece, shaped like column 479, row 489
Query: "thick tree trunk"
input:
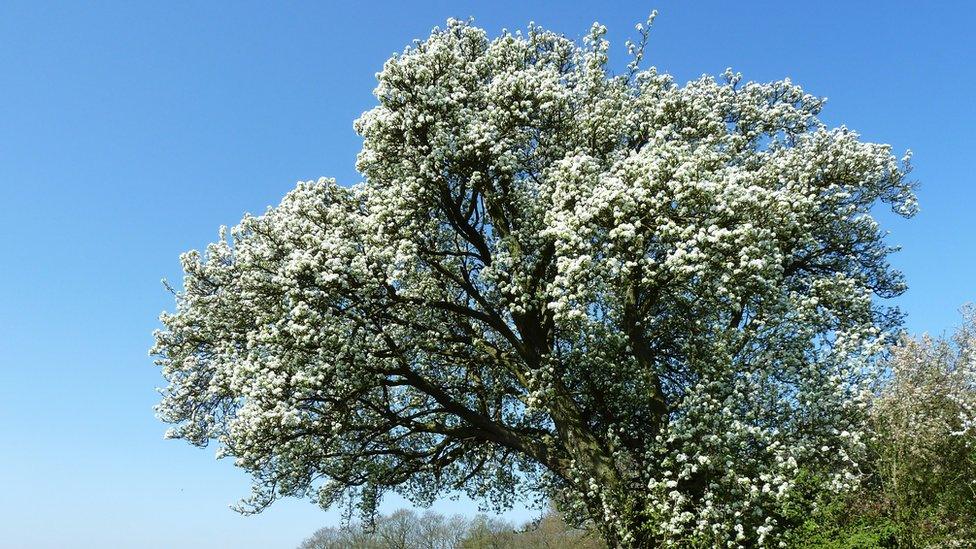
column 614, row 506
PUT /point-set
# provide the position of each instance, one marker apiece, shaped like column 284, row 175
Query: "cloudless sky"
column 130, row 131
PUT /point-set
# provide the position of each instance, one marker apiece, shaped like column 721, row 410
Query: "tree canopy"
column 655, row 303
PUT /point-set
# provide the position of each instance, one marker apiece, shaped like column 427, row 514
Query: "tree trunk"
column 616, row 508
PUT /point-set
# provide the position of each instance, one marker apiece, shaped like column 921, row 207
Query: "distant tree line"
column 406, row 529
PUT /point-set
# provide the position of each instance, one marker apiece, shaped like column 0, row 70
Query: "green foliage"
column 848, row 521
column 919, row 485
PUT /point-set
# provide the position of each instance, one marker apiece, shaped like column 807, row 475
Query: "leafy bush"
column 919, row 485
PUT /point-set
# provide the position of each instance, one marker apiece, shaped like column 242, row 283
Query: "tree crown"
column 644, row 299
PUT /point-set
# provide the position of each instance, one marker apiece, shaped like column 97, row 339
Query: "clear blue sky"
column 128, row 134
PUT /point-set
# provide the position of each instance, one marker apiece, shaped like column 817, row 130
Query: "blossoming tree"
column 925, row 422
column 650, row 302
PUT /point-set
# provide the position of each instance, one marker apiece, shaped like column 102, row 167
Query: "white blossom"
column 654, row 302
